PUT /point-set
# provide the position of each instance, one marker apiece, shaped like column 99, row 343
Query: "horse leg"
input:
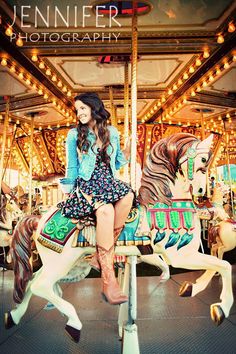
column 221, row 250
column 213, row 264
column 14, row 316
column 155, row 260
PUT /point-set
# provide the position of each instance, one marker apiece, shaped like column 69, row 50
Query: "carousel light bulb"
column 198, row 89
column 170, row 92
column 64, row 89
column 155, row 107
column 226, row 65
column 48, row 72
column 175, row 87
column 28, row 82
column 234, row 58
column 204, row 84
column 179, row 123
column 211, row 78
column 34, row 57
column 191, row 69
column 231, row 27
column 206, row 53
column 163, row 99
column 218, row 71
column 185, row 76
column 67, row 114
column 45, row 96
column 9, row 31
column 159, row 103
column 193, row 93
column 180, row 81
column 54, row 78
column 13, row 69
column 34, row 86
column 184, row 100
column 4, row 62
column 59, row 84
column 21, row 75
column 67, row 124
column 69, row 93
column 40, row 91
column 198, row 62
column 19, row 41
column 41, row 65
column 220, row 38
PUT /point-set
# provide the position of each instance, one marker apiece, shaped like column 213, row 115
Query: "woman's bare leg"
column 122, row 209
column 105, row 225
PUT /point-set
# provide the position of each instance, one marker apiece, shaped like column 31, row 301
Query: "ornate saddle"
column 58, row 229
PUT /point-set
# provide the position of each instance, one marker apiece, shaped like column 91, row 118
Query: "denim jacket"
column 83, row 164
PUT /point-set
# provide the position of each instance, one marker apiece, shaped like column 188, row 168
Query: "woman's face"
column 83, row 112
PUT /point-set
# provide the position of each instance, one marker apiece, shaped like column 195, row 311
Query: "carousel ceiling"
column 52, row 51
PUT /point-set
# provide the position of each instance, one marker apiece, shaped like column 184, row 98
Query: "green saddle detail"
column 56, row 231
column 180, row 215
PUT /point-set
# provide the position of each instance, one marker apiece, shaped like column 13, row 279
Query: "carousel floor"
column 166, row 323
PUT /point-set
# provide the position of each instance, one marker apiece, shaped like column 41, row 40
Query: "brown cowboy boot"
column 94, row 260
column 110, row 290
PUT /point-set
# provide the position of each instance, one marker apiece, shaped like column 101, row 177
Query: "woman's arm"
column 72, row 161
column 121, row 158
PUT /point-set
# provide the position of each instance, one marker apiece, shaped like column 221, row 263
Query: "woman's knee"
column 105, row 211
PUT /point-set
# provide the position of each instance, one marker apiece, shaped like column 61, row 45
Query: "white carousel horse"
column 175, row 166
column 221, row 236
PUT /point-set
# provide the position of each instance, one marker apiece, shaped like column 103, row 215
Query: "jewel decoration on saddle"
column 191, row 154
column 180, row 215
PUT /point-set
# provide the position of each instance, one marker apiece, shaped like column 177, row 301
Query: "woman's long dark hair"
column 100, row 115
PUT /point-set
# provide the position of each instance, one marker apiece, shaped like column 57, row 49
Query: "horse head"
column 13, row 209
column 177, row 162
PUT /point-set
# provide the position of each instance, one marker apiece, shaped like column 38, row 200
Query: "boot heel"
column 104, row 297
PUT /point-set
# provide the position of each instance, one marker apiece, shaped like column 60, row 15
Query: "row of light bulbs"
column 221, row 35
column 204, row 82
column 69, row 114
column 50, row 74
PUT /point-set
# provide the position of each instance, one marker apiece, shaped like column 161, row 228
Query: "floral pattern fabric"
column 103, row 188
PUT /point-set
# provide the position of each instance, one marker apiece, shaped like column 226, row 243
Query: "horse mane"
column 161, row 168
column 3, row 203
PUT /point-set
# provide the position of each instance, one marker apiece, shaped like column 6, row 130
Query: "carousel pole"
column 126, row 116
column 113, row 111
column 130, row 334
column 134, row 96
column 229, row 173
column 4, row 139
column 202, row 125
column 31, row 161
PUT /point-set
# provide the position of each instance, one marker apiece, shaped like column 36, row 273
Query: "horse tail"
column 21, row 254
column 213, row 233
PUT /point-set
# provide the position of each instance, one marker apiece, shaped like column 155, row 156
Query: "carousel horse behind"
column 221, row 236
column 176, row 165
column 9, row 212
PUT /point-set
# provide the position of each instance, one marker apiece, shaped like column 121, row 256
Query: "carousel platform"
column 166, row 323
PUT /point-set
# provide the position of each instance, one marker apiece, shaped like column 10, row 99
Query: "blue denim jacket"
column 83, row 164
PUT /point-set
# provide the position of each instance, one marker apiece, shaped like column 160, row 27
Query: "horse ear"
column 206, row 143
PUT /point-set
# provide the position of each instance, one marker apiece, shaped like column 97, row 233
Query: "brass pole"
column 113, row 113
column 4, row 137
column 134, row 95
column 202, row 125
column 31, row 162
column 126, row 116
column 229, row 173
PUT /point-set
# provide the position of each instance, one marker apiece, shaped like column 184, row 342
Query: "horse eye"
column 204, row 160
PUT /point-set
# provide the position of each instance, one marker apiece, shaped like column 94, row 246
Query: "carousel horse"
column 9, row 212
column 175, row 168
column 222, row 235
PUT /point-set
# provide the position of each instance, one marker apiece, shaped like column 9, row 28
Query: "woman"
column 93, row 155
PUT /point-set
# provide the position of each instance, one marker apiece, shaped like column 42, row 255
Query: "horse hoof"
column 217, row 314
column 9, row 323
column 186, row 289
column 74, row 333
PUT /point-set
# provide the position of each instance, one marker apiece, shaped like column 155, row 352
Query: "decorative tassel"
column 159, row 237
column 173, row 239
column 185, row 239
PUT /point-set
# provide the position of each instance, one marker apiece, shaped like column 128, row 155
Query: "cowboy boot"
column 94, row 260
column 110, row 289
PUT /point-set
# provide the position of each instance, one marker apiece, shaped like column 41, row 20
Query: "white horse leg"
column 21, row 308
column 203, row 281
column 155, row 260
column 221, row 251
column 202, row 261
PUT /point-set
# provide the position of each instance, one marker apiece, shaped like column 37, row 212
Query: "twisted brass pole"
column 126, row 116
column 134, row 95
column 4, row 137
